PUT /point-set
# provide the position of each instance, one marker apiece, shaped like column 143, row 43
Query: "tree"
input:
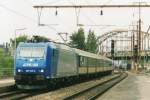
column 22, row 38
column 78, row 39
column 91, row 44
column 37, row 38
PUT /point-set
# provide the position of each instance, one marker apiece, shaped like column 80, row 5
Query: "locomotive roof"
column 32, row 44
column 65, row 47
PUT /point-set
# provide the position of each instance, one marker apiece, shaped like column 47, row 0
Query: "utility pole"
column 139, row 36
column 16, row 43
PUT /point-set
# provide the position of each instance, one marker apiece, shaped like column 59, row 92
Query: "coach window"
column 81, row 61
column 85, row 61
column 102, row 63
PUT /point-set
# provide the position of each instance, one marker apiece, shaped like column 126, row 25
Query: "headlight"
column 41, row 70
column 19, row 70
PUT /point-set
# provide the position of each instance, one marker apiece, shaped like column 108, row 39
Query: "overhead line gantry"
column 91, row 6
column 137, row 5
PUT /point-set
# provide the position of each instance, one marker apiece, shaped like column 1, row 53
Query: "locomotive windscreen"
column 31, row 52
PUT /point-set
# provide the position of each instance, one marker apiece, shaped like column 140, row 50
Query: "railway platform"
column 134, row 87
column 6, row 82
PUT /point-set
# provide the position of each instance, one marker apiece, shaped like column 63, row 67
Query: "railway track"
column 12, row 93
column 7, row 88
column 19, row 95
column 67, row 92
column 82, row 91
column 93, row 92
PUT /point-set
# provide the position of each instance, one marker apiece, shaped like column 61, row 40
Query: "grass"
column 6, row 64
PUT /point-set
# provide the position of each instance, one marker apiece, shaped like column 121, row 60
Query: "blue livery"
column 39, row 64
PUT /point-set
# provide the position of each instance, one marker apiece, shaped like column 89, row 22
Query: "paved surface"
column 134, row 87
column 6, row 82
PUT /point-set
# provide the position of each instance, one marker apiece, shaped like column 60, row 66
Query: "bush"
column 6, row 64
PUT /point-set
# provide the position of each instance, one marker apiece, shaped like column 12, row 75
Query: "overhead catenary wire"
column 77, row 14
column 22, row 15
column 89, row 19
column 39, row 12
column 54, row 1
column 77, row 11
column 17, row 13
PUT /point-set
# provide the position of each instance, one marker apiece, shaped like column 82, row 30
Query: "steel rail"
column 73, row 96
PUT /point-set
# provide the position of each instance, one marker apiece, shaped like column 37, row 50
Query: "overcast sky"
column 16, row 14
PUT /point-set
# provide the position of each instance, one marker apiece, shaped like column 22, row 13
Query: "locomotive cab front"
column 30, row 64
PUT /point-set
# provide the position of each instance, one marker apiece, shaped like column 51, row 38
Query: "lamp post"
column 16, row 43
column 15, row 36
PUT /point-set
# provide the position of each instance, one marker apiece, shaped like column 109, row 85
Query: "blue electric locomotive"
column 38, row 64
